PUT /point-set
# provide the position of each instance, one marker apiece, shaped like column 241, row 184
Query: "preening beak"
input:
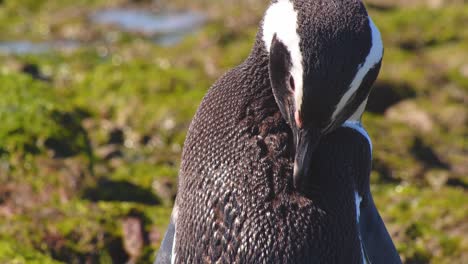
column 282, row 81
column 305, row 141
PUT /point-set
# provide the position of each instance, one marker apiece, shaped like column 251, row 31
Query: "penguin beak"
column 306, row 140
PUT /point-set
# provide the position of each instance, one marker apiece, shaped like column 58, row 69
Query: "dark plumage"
column 237, row 201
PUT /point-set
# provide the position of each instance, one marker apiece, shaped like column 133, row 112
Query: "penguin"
column 276, row 163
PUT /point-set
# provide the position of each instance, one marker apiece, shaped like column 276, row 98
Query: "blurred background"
column 96, row 98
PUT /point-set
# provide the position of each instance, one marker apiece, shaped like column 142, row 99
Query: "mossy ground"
column 93, row 136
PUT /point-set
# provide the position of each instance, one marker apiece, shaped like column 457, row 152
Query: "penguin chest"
column 230, row 229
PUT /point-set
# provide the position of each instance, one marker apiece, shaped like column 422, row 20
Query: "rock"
column 453, row 116
column 437, row 178
column 6, row 209
column 109, row 152
column 464, row 70
column 132, row 138
column 168, row 124
column 153, row 141
column 133, row 237
column 409, row 113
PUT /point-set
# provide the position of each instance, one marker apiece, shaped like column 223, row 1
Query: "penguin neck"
column 258, row 61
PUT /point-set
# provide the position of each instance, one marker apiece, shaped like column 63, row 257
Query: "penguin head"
column 324, row 56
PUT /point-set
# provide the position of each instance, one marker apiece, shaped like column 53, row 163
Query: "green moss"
column 427, row 218
column 12, row 252
column 459, row 78
column 33, row 119
column 144, row 174
column 41, row 24
column 450, row 245
column 142, row 90
column 414, row 28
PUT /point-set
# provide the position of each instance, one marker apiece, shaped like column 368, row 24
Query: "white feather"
column 374, row 57
column 356, row 116
column 358, row 200
column 281, row 19
column 174, row 216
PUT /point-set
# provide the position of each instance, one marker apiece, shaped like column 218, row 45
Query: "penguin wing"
column 377, row 243
column 165, row 253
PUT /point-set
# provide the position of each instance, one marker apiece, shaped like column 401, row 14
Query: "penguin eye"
column 291, row 83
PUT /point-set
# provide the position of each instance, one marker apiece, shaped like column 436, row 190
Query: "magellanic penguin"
column 275, row 167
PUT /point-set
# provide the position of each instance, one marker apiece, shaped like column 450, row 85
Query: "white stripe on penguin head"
column 281, row 19
column 374, row 57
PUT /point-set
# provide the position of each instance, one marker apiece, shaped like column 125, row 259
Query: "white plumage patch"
column 173, row 255
column 358, row 200
column 356, row 116
column 174, row 216
column 374, row 56
column 281, row 19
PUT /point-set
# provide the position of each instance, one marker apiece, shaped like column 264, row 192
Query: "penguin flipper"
column 377, row 243
column 165, row 253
